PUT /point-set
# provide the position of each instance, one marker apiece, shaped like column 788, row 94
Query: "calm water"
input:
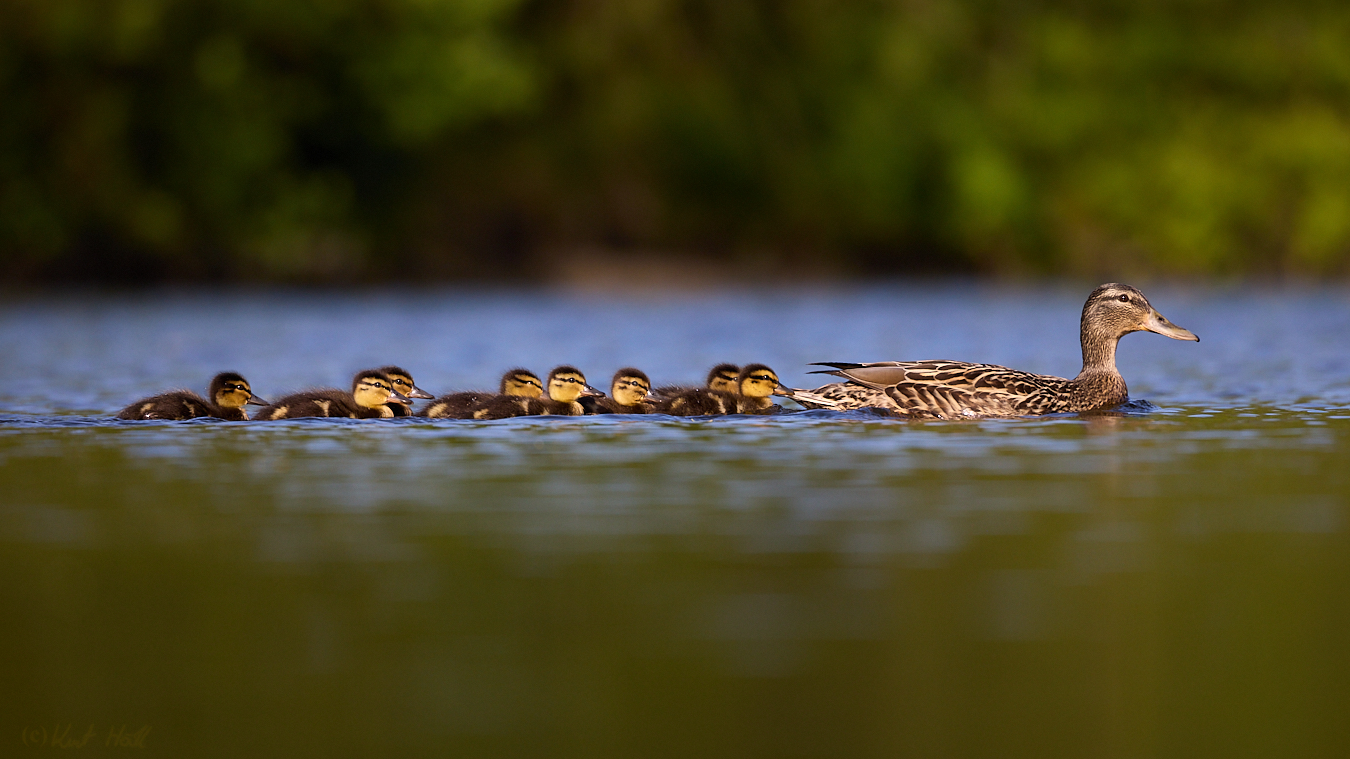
column 1165, row 582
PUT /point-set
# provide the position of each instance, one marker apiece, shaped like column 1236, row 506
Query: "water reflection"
column 1163, row 581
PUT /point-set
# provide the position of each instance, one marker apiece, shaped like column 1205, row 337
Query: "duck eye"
column 1124, row 299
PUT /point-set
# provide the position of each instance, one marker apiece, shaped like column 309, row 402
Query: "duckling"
column 722, row 378
column 403, row 383
column 630, row 393
column 229, row 394
column 566, row 384
column 520, row 383
column 757, row 383
column 957, row 389
column 372, row 393
column 751, row 393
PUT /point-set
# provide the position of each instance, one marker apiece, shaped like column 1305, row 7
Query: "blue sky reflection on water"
column 1160, row 582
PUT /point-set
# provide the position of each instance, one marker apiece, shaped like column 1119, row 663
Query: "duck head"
column 403, row 382
column 567, row 383
column 522, row 382
column 373, row 389
column 724, row 377
column 758, row 381
column 231, row 390
column 630, row 387
column 1115, row 310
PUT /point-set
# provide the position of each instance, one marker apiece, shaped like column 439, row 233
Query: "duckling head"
column 231, row 390
column 758, row 381
column 567, row 383
column 1114, row 310
column 630, row 387
column 403, row 382
column 724, row 377
column 522, row 382
column 373, row 389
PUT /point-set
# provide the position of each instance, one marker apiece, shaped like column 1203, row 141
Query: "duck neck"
column 1099, row 353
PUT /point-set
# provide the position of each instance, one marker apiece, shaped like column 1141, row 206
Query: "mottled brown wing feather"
column 946, row 389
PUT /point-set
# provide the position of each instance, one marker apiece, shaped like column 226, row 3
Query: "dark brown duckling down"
column 229, row 393
column 517, row 382
column 372, row 392
column 566, row 384
column 722, row 378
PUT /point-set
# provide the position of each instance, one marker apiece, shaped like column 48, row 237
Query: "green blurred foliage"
column 350, row 139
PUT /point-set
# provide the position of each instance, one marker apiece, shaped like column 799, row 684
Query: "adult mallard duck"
column 371, row 396
column 629, row 393
column 520, row 383
column 229, row 393
column 566, row 384
column 403, row 383
column 956, row 389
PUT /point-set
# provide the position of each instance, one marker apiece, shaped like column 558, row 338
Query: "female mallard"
column 630, row 393
column 566, row 385
column 955, row 389
column 403, row 383
column 229, row 392
column 520, row 383
column 370, row 398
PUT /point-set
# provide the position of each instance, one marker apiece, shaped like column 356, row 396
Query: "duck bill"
column 1158, row 323
column 397, row 397
column 418, row 392
column 784, row 391
column 590, row 392
column 254, row 400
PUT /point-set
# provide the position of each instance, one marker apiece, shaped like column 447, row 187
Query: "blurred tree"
column 357, row 138
column 232, row 138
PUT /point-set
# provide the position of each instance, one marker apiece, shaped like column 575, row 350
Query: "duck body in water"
column 371, row 395
column 751, row 393
column 722, row 378
column 957, row 389
column 519, row 383
column 229, row 393
column 566, row 385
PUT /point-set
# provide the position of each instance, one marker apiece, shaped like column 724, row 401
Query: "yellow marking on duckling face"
column 525, row 386
column 372, row 393
column 761, row 384
column 723, row 381
column 233, row 395
column 566, row 387
column 629, row 391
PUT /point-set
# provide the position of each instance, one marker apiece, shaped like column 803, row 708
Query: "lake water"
column 1171, row 581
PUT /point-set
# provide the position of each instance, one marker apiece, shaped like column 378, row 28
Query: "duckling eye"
column 1124, row 299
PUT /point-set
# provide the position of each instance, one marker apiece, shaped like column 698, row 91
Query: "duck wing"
column 947, row 389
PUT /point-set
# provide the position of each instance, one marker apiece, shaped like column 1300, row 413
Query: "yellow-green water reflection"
column 1166, row 584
